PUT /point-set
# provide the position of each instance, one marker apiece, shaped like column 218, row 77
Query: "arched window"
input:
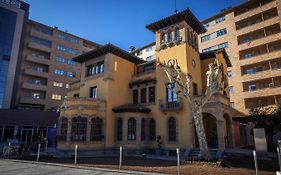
column 177, row 35
column 96, row 129
column 152, row 129
column 79, row 129
column 143, row 129
column 63, row 129
column 132, row 135
column 163, row 39
column 172, row 129
column 170, row 37
column 119, row 129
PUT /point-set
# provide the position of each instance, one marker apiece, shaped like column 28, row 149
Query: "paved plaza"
column 10, row 167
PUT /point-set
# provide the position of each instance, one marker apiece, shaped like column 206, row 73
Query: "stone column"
column 88, row 130
column 138, row 130
column 125, row 130
column 69, row 126
column 220, row 134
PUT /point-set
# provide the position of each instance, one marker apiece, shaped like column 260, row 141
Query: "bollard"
column 75, row 155
column 9, row 146
column 38, row 152
column 120, row 158
column 256, row 162
column 279, row 157
column 178, row 160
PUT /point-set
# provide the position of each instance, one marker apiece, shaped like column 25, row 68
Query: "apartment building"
column 46, row 67
column 14, row 16
column 146, row 52
column 250, row 33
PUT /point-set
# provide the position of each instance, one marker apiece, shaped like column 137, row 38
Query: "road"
column 10, row 167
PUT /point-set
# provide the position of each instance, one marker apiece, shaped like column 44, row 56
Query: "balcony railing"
column 165, row 105
column 38, row 59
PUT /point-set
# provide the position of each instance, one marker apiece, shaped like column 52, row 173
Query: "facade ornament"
column 183, row 86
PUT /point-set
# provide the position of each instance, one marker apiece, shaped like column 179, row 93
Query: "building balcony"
column 261, row 75
column 29, row 71
column 260, row 58
column 32, row 86
column 265, row 92
column 257, row 26
column 40, row 47
column 29, row 100
column 255, row 11
column 40, row 34
column 37, row 59
column 164, row 105
column 260, row 41
column 75, row 85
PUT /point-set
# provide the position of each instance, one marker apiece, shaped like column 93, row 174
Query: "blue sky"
column 121, row 22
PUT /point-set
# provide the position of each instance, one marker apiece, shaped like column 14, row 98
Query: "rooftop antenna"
column 176, row 10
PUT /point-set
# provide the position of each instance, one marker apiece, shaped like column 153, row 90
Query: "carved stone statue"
column 173, row 72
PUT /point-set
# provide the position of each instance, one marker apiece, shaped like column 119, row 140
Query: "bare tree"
column 180, row 85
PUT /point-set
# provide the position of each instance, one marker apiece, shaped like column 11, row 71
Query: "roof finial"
column 176, row 10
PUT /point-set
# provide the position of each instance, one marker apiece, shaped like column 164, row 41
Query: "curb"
column 83, row 167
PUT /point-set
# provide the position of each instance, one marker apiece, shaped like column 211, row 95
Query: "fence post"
column 38, row 152
column 75, row 155
column 178, row 160
column 120, row 157
column 279, row 157
column 256, row 162
column 9, row 146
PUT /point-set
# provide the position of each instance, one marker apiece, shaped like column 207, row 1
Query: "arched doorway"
column 210, row 126
column 228, row 131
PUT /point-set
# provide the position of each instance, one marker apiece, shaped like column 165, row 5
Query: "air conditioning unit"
column 270, row 85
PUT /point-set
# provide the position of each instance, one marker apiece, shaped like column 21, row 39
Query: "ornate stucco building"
column 122, row 100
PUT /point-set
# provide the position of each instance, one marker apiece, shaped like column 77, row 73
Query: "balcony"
column 164, row 105
column 36, row 33
column 261, row 58
column 29, row 100
column 260, row 41
column 40, row 47
column 262, row 75
column 37, row 59
column 258, row 25
column 255, row 11
column 32, row 72
column 27, row 85
column 263, row 92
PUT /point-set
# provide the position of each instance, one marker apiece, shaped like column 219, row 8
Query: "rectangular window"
column 70, row 62
column 59, row 72
column 195, row 89
column 60, row 59
column 76, row 95
column 151, row 94
column 171, row 93
column 71, row 74
column 216, row 47
column 279, row 65
column 250, row 71
column 67, row 38
column 41, row 41
column 232, row 104
column 259, row 69
column 37, row 82
column 39, row 69
column 231, row 89
column 56, row 97
column 57, row 84
column 252, row 87
column 214, row 35
column 143, row 95
column 67, row 50
column 93, row 92
column 135, row 96
column 248, row 55
column 67, row 86
column 36, row 95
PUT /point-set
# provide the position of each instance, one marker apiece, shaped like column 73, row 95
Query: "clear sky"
column 121, row 22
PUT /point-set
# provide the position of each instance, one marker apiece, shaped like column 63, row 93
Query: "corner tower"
column 176, row 38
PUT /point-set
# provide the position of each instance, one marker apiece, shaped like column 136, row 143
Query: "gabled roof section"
column 185, row 15
column 108, row 48
column 212, row 54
